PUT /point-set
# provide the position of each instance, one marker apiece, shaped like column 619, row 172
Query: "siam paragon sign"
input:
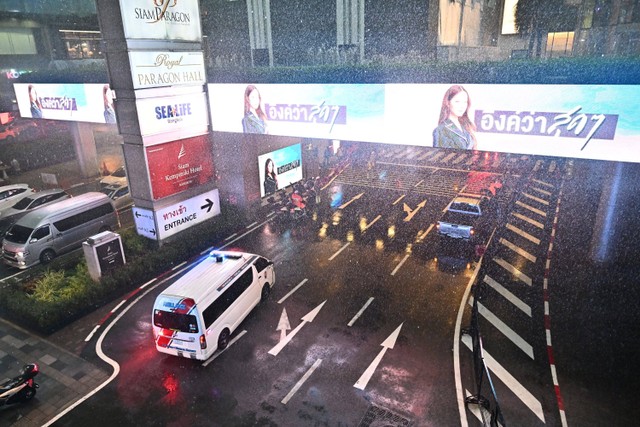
column 161, row 19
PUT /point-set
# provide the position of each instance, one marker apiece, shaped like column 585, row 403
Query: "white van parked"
column 196, row 315
column 57, row 228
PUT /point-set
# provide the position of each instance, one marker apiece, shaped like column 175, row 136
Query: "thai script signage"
column 182, row 215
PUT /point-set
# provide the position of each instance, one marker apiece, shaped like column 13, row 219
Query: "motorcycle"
column 21, row 388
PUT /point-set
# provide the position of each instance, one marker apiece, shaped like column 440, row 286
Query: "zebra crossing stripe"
column 523, row 233
column 514, row 385
column 543, row 183
column 518, row 250
column 508, row 295
column 537, row 199
column 529, row 220
column 511, row 269
column 505, row 329
column 531, row 208
column 541, row 191
column 449, row 157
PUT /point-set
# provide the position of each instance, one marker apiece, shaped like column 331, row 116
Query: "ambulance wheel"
column 223, row 339
column 266, row 290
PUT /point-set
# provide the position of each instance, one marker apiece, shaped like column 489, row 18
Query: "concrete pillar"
column 85, row 147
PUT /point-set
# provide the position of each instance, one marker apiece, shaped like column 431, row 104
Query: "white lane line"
column 395, row 270
column 531, row 208
column 118, row 306
column 419, row 182
column 514, row 385
column 518, row 250
column 423, row 235
column 304, row 378
column 529, row 220
column 505, row 329
column 397, row 200
column 543, row 183
column 508, row 295
column 511, row 269
column 537, row 199
column 216, row 355
column 271, row 213
column 456, row 346
column 372, row 222
column 88, row 338
column 244, row 234
column 292, row 291
column 523, row 233
column 231, row 237
column 178, row 266
column 541, row 191
column 251, row 225
column 339, row 250
column 358, row 314
column 148, row 283
column 209, row 249
column 104, row 357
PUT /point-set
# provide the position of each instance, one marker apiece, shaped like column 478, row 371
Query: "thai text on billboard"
column 581, row 121
column 279, row 169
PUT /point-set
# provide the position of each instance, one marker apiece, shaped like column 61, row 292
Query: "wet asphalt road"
column 578, row 321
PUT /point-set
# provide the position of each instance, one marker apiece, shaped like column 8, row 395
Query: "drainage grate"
column 377, row 416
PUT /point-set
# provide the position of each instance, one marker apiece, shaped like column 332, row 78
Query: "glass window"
column 228, row 297
column 41, row 232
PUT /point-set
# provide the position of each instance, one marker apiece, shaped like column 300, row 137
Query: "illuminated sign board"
column 352, row 112
column 157, row 69
column 581, row 121
column 186, row 114
column 72, row 102
column 279, row 169
column 161, row 19
column 178, row 165
column 187, row 213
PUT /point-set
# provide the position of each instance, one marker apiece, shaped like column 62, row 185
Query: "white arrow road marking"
column 304, row 378
column 283, row 325
column 292, row 291
column 358, row 314
column 352, row 200
column 411, row 212
column 306, row 319
column 389, row 343
column 423, row 235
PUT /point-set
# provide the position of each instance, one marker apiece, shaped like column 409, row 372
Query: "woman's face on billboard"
column 459, row 103
column 254, row 99
column 269, row 167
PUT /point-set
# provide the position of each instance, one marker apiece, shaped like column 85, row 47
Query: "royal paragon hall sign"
column 156, row 68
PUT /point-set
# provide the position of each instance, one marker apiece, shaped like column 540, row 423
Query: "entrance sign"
column 145, row 222
column 182, row 215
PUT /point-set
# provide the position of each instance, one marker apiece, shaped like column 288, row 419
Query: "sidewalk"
column 64, row 376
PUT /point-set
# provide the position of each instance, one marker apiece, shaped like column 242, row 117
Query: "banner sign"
column 185, row 113
column 279, row 169
column 187, row 213
column 72, row 102
column 156, row 69
column 161, row 19
column 581, row 121
column 333, row 111
column 178, row 165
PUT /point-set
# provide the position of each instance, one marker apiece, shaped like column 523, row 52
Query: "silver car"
column 35, row 200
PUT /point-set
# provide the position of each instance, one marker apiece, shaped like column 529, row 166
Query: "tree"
column 536, row 18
